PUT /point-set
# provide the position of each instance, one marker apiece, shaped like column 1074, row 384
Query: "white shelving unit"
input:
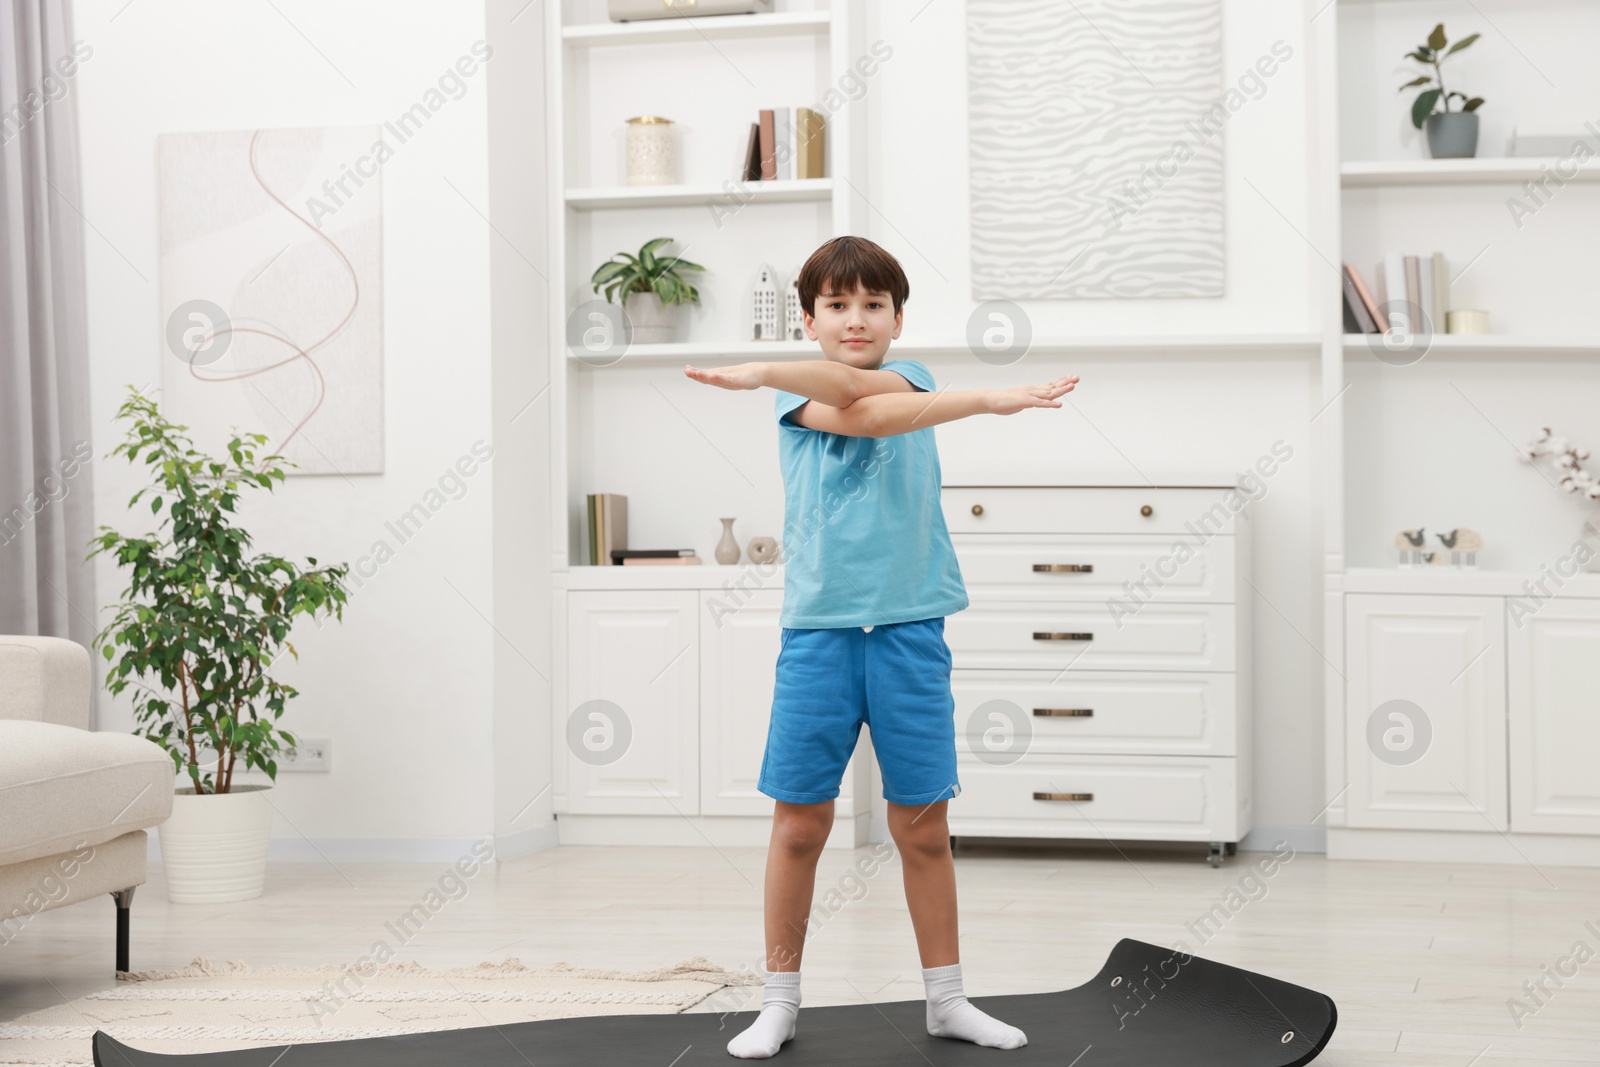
column 660, row 640
column 1486, row 346
column 593, row 74
column 1393, row 632
column 658, row 196
column 1377, row 173
column 705, row 28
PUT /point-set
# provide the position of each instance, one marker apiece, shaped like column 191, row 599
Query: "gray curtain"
column 46, row 448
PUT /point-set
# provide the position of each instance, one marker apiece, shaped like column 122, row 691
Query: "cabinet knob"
column 977, row 509
column 1147, row 511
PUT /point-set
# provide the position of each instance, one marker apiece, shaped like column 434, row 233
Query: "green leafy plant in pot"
column 194, row 636
column 651, row 288
column 1451, row 134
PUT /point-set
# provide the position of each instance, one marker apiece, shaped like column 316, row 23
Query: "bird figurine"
column 1410, row 544
column 1464, row 545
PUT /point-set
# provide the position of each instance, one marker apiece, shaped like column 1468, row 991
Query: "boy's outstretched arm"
column 889, row 414
column 826, row 381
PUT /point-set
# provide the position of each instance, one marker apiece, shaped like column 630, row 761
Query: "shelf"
column 1485, row 346
column 653, row 196
column 708, row 574
column 1247, row 344
column 698, row 28
column 1367, row 174
column 1460, row 581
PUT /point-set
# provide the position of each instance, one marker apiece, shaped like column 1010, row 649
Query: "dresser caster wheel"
column 1218, row 850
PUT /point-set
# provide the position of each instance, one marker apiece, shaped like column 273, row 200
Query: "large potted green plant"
column 651, row 288
column 195, row 636
column 1451, row 134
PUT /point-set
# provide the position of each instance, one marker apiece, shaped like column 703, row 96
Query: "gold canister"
column 1466, row 320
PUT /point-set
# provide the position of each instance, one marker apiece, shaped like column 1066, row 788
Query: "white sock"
column 950, row 1014
column 780, row 1007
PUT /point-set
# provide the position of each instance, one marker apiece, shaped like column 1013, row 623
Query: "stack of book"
column 608, row 537
column 608, row 526
column 654, row 557
column 785, row 144
column 1409, row 294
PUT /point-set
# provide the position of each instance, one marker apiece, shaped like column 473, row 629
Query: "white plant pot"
column 214, row 846
column 653, row 322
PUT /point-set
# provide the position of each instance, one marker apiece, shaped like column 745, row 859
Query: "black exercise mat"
column 1148, row 1007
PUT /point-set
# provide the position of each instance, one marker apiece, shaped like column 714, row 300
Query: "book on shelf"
column 1413, row 293
column 1401, row 282
column 608, row 526
column 752, row 154
column 654, row 557
column 800, row 134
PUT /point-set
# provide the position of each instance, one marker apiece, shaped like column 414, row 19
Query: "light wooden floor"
column 1421, row 958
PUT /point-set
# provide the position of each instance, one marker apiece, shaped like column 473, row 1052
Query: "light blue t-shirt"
column 864, row 537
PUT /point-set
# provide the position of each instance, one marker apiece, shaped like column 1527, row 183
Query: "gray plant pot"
column 1452, row 135
column 653, row 322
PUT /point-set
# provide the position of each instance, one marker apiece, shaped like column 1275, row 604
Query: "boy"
column 870, row 574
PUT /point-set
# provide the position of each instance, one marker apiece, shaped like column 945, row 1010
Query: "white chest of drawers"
column 1101, row 672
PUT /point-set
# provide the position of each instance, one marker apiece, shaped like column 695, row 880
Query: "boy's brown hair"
column 847, row 263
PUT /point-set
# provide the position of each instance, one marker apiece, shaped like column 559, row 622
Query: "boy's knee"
column 928, row 832
column 803, row 827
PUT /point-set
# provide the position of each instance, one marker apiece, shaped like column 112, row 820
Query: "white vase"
column 214, row 846
column 653, row 321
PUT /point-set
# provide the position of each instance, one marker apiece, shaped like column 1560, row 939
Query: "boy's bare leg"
column 922, row 835
column 798, row 834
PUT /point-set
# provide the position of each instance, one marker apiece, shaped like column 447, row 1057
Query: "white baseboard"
column 526, row 842
column 1463, row 846
column 1298, row 837
column 336, row 850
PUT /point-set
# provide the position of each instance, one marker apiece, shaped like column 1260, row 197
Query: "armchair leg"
column 124, row 899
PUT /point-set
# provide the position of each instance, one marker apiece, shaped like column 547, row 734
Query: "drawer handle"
column 1064, row 568
column 1075, row 713
column 1063, row 796
column 977, row 509
column 1046, row 636
column 1147, row 511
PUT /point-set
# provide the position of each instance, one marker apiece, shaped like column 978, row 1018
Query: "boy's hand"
column 738, row 376
column 1011, row 401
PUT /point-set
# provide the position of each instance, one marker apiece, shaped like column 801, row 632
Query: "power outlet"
column 311, row 754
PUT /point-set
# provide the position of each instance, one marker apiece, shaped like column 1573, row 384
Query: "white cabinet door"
column 1425, row 713
column 738, row 651
column 630, row 731
column 1555, row 717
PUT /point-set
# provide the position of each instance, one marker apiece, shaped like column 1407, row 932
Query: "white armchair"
column 74, row 804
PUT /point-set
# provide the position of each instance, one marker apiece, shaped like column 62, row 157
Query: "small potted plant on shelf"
column 194, row 635
column 652, row 290
column 1451, row 134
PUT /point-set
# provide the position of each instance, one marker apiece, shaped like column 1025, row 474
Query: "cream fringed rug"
column 211, row 1007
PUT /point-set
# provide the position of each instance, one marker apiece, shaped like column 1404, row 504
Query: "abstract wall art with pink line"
column 272, row 290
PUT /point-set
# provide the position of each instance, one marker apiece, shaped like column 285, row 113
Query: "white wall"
column 404, row 685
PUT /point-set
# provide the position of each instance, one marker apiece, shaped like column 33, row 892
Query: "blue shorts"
column 895, row 677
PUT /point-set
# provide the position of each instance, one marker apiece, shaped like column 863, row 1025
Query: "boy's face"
column 854, row 328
